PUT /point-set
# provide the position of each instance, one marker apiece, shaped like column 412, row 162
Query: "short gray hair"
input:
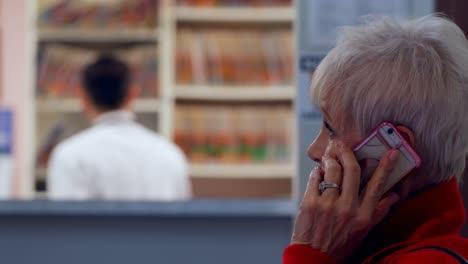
column 412, row 73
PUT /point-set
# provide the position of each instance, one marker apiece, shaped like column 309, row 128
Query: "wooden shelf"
column 235, row 93
column 98, row 35
column 40, row 195
column 58, row 105
column 242, row 171
column 235, row 14
column 147, row 105
column 74, row 105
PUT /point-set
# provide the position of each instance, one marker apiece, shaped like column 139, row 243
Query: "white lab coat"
column 118, row 159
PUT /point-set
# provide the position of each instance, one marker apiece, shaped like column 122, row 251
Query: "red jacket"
column 432, row 218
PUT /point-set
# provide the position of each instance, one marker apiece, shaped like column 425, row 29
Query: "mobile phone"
column 372, row 148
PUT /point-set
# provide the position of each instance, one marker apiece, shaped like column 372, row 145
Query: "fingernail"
column 394, row 155
column 316, row 170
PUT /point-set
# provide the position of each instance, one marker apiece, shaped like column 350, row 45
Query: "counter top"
column 193, row 208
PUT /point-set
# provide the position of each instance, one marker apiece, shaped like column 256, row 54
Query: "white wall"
column 17, row 60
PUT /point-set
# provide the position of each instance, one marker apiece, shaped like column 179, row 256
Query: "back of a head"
column 106, row 82
column 411, row 73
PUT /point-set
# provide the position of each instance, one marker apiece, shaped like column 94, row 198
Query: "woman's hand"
column 337, row 220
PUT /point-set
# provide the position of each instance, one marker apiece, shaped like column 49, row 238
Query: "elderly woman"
column 413, row 74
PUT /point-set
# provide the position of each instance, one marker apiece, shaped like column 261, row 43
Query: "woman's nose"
column 317, row 149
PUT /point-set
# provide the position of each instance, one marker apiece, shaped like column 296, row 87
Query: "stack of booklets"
column 234, row 133
column 60, row 67
column 234, row 57
column 98, row 14
column 235, row 2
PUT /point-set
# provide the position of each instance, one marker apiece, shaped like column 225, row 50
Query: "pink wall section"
column 17, row 62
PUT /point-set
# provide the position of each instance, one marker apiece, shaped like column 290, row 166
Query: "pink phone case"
column 372, row 148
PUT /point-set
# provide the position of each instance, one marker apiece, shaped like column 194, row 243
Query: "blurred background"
column 215, row 77
column 226, row 80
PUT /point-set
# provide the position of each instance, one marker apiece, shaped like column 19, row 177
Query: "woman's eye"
column 331, row 133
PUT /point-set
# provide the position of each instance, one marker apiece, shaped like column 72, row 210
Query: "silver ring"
column 325, row 185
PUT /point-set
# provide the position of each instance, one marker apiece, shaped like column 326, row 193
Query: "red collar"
column 434, row 212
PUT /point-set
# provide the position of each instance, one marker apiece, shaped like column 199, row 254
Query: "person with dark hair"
column 116, row 158
column 106, row 82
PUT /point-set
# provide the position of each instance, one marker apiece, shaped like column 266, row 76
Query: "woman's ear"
column 407, row 134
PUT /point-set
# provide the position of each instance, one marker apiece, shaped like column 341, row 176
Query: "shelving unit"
column 74, row 105
column 241, row 171
column 235, row 14
column 66, row 110
column 173, row 94
column 236, row 177
column 98, row 36
column 232, row 93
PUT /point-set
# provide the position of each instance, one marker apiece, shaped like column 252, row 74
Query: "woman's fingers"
column 382, row 209
column 375, row 186
column 332, row 174
column 351, row 172
column 306, row 220
column 312, row 189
